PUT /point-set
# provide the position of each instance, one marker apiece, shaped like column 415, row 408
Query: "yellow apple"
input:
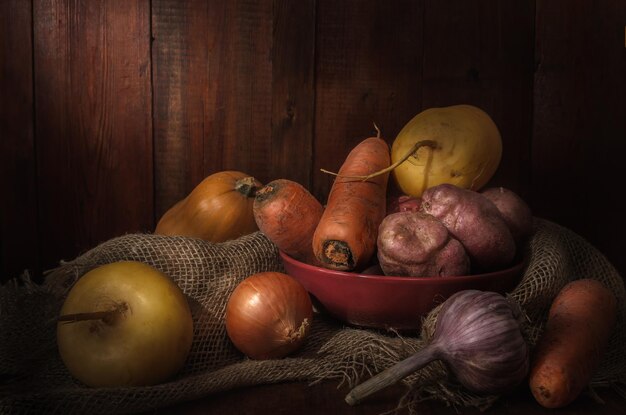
column 124, row 324
column 461, row 145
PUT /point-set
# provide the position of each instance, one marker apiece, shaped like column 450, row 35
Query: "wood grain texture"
column 579, row 128
column 93, row 123
column 19, row 232
column 367, row 71
column 239, row 106
column 481, row 53
column 293, row 91
column 279, row 88
column 180, row 62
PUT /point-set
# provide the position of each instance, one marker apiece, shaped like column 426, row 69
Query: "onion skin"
column 268, row 315
column 479, row 338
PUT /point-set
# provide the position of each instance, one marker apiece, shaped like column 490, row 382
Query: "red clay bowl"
column 378, row 301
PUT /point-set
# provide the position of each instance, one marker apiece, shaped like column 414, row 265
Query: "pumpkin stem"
column 412, row 152
column 107, row 317
column 246, row 186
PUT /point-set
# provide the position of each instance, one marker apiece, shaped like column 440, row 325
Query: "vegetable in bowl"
column 418, row 244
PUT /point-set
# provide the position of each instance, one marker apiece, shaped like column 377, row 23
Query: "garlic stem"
column 393, row 374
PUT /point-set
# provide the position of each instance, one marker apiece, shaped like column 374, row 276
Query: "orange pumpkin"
column 216, row 210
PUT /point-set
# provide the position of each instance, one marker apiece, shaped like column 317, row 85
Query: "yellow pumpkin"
column 218, row 209
column 461, row 145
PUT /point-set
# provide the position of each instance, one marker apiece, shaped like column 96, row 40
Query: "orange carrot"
column 288, row 214
column 579, row 325
column 345, row 238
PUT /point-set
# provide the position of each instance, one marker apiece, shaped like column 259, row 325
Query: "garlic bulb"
column 478, row 336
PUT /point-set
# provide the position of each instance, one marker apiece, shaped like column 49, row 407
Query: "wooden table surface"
column 325, row 398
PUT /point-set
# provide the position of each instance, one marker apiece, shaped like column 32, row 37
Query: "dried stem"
column 246, row 186
column 393, row 374
column 377, row 131
column 412, row 151
column 106, row 316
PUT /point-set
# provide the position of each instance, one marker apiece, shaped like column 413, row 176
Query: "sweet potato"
column 580, row 322
column 417, row 244
column 475, row 222
column 345, row 238
column 288, row 214
column 514, row 210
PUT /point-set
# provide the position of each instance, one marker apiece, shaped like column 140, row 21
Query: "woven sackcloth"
column 34, row 379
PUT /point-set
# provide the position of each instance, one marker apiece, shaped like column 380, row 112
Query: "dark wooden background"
column 110, row 111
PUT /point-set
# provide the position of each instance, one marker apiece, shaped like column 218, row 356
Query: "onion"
column 478, row 336
column 268, row 315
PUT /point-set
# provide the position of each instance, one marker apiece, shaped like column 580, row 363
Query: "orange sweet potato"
column 579, row 325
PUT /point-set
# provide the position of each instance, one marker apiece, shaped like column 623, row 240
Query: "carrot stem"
column 423, row 143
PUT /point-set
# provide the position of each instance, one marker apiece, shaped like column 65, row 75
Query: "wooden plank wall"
column 579, row 120
column 112, row 111
column 19, row 233
column 93, row 128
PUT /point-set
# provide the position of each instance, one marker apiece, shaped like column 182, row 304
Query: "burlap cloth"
column 34, row 380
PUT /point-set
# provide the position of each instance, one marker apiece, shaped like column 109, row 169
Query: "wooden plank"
column 18, row 209
column 580, row 120
column 212, row 92
column 481, row 53
column 181, row 107
column 239, row 103
column 328, row 397
column 368, row 70
column 93, row 123
column 293, row 95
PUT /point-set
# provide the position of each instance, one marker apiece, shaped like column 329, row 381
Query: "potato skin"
column 514, row 210
column 403, row 203
column 475, row 221
column 419, row 245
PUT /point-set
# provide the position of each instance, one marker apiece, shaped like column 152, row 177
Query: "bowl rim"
column 517, row 266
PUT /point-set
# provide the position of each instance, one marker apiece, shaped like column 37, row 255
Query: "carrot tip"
column 337, row 254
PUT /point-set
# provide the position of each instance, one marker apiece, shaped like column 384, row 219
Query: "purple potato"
column 419, row 245
column 514, row 210
column 475, row 221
